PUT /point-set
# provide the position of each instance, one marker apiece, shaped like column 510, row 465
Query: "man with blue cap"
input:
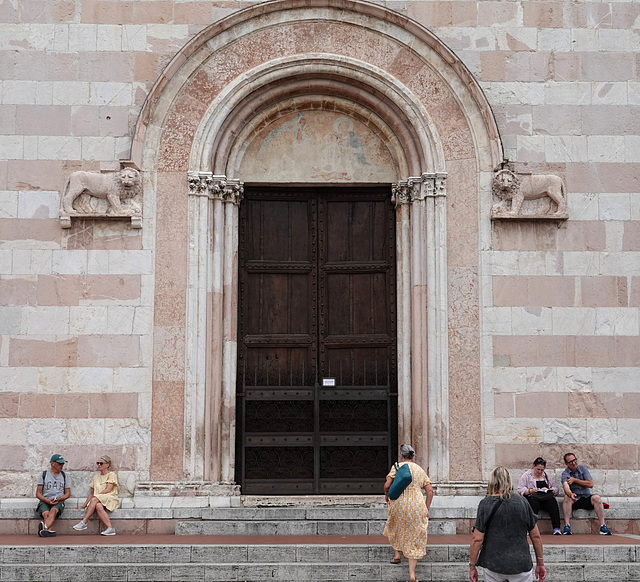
column 53, row 488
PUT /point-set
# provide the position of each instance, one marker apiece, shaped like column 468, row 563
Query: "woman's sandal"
column 395, row 560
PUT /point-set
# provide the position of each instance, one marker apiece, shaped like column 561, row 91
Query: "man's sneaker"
column 80, row 526
column 47, row 533
column 109, row 532
column 556, row 531
column 567, row 530
column 604, row 530
column 40, row 528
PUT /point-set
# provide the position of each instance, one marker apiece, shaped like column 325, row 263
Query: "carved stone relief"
column 529, row 196
column 102, row 195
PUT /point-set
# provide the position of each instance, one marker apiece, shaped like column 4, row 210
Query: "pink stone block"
column 584, row 14
column 631, row 236
column 40, row 229
column 510, row 291
column 152, row 12
column 147, row 65
column 604, row 291
column 566, row 66
column 543, row 14
column 557, row 119
column 603, row 405
column 430, row 14
column 17, row 291
column 607, row 66
column 627, row 351
column 34, row 353
column 9, row 404
column 166, row 441
column 503, row 405
column 597, row 351
column 106, row 12
column 493, row 65
column 41, row 120
column 96, row 351
column 492, row 13
column 37, row 406
column 174, row 224
column 551, row 291
column 464, row 14
column 603, row 177
column 13, row 457
column 536, row 350
column 624, row 16
column 113, row 405
column 634, row 294
column 169, row 353
column 106, row 66
column 72, row 406
column 170, row 302
column 541, row 405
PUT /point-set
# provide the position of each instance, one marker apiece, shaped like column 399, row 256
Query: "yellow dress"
column 406, row 525
column 99, row 482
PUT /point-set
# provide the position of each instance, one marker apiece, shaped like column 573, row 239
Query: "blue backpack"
column 400, row 482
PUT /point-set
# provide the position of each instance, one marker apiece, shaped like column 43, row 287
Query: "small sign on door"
column 328, row 381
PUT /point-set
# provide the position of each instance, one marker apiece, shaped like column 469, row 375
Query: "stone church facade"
column 247, row 248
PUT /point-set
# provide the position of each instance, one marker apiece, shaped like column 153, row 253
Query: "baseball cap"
column 58, row 459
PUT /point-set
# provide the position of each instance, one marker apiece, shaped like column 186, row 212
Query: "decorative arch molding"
column 196, row 122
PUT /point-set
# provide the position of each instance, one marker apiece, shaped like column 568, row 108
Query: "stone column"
column 422, row 319
column 211, row 327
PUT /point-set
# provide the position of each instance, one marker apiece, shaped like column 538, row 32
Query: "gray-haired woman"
column 502, row 523
column 406, row 525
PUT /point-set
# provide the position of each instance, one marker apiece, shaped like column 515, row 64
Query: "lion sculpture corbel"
column 515, row 189
column 122, row 191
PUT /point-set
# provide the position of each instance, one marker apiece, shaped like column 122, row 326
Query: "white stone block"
column 18, row 92
column 59, row 147
column 61, row 38
column 564, row 430
column 134, row 38
column 91, row 380
column 11, row 147
column 574, row 321
column 98, row 264
column 53, row 380
column 628, row 431
column 46, row 320
column 6, row 262
column 32, row 262
column 111, row 94
column 125, row 431
column 583, row 206
column 38, row 204
column 516, row 93
column 98, row 148
column 567, row 93
column 605, row 148
column 615, row 379
column 123, row 146
column 623, row 263
column 85, row 431
column 618, row 321
column 632, row 148
column 11, row 320
column 173, row 32
column 575, row 379
column 10, row 377
column 134, row 262
column 88, row 319
column 541, row 379
column 512, row 430
column 613, row 40
column 69, row 262
column 132, row 380
column 570, row 148
column 44, row 93
column 614, row 206
column 554, row 40
column 41, row 36
column 506, row 36
column 504, row 380
column 531, row 320
column 109, row 38
column 71, row 93
column 120, row 319
column 497, row 320
column 8, row 204
column 582, row 263
column 143, row 320
column 530, row 148
column 585, row 39
column 83, row 37
column 633, row 89
column 609, row 94
column 52, row 431
column 602, row 431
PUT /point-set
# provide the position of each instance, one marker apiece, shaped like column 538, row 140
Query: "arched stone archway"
column 193, row 142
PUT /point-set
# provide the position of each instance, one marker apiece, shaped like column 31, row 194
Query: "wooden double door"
column 316, row 394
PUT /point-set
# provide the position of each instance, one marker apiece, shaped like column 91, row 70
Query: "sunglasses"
column 100, row 463
column 571, row 461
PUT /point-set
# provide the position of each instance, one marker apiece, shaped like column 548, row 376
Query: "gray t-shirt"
column 581, row 473
column 53, row 486
column 505, row 548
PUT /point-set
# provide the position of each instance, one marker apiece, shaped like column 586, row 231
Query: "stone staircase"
column 326, row 539
column 288, row 562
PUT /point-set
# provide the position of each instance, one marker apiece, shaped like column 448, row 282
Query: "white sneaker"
column 109, row 532
column 80, row 526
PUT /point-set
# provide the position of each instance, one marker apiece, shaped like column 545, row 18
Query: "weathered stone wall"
column 559, row 304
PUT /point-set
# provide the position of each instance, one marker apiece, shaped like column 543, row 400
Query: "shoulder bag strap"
column 493, row 512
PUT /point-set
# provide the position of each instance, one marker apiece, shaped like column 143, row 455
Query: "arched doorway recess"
column 199, row 131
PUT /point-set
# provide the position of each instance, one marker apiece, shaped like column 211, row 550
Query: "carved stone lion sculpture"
column 115, row 187
column 516, row 189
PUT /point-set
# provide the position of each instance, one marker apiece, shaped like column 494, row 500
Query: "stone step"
column 326, row 562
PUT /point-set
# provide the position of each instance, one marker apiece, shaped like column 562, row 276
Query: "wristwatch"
column 472, row 565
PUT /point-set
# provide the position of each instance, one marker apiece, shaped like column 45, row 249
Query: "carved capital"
column 427, row 185
column 215, row 187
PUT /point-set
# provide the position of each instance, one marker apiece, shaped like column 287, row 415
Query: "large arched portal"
column 318, row 101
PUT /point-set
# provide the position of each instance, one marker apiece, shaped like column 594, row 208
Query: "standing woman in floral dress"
column 406, row 525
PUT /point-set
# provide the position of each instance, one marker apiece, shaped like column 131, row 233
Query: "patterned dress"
column 406, row 525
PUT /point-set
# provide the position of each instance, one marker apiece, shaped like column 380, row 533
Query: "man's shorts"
column 583, row 503
column 42, row 507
